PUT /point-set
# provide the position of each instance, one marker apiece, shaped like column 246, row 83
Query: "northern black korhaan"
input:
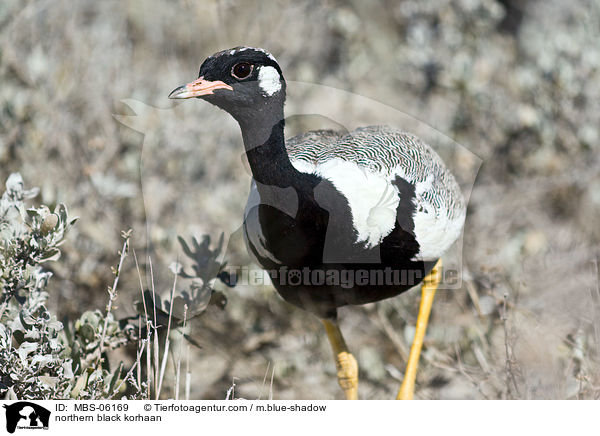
column 335, row 218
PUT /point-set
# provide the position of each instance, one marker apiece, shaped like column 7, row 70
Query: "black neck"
column 264, row 142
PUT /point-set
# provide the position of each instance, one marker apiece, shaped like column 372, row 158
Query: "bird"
column 335, row 218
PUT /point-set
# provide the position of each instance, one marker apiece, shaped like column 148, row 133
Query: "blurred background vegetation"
column 84, row 115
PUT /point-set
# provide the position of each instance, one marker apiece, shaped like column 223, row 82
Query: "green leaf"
column 115, row 377
column 43, row 359
column 26, row 320
column 32, row 213
column 25, row 349
column 50, row 254
column 87, row 332
column 61, row 211
column 80, row 385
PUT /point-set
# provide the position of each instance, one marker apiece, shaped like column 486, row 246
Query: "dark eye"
column 242, row 70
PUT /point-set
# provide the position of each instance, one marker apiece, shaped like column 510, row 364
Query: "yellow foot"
column 347, row 373
column 347, row 367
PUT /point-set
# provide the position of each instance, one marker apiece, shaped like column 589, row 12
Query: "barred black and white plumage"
column 388, row 152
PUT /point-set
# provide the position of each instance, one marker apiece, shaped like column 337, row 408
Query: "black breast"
column 310, row 251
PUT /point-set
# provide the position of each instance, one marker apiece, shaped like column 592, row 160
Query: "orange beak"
column 198, row 87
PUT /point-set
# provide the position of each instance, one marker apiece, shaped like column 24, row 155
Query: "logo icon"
column 26, row 415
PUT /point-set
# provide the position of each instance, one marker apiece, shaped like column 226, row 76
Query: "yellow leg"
column 428, row 289
column 347, row 368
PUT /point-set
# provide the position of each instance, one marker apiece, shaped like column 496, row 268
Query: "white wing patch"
column 373, row 200
column 436, row 228
column 386, row 153
column 435, row 232
column 269, row 80
column 303, row 166
column 382, row 216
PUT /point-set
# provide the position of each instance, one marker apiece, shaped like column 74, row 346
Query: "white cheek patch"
column 269, row 80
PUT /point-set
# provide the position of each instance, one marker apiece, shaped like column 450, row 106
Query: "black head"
column 242, row 80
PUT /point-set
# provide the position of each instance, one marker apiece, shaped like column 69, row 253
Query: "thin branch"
column 188, row 374
column 163, row 365
column 148, row 327
column 129, row 373
column 392, row 334
column 264, row 379
column 177, row 377
column 509, row 367
column 112, row 295
column 271, row 385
